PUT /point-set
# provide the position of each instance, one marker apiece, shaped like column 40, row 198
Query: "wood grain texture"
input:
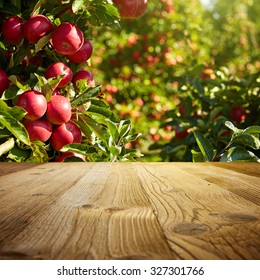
column 129, row 211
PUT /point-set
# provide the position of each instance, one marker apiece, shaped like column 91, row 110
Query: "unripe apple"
column 58, row 69
column 83, row 75
column 36, row 27
column 67, row 38
column 12, row 30
column 34, row 103
column 83, row 54
column 58, row 110
column 38, row 130
column 64, row 134
column 4, row 81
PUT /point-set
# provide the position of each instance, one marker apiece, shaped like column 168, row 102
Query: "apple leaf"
column 9, row 117
column 230, row 126
column 42, row 42
column 239, row 154
column 89, row 125
column 113, row 129
column 11, row 93
column 248, row 140
column 255, row 129
column 7, row 146
column 205, row 146
column 15, row 82
column 82, row 149
column 37, row 7
column 197, row 156
column 104, row 112
column 84, row 97
column 77, row 5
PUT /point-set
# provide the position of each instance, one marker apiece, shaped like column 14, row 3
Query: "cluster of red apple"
column 50, row 119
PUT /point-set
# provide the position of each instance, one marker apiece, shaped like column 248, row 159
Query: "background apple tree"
column 51, row 108
column 188, row 78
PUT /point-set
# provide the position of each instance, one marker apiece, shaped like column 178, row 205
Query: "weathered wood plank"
column 232, row 178
column 79, row 211
column 9, row 167
column 201, row 220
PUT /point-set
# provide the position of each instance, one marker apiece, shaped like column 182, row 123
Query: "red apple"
column 83, row 54
column 208, row 73
column 65, row 155
column 36, row 27
column 131, row 8
column 64, row 134
column 67, row 38
column 180, row 133
column 58, row 110
column 58, row 69
column 38, row 130
column 83, row 75
column 35, row 60
column 34, row 103
column 4, row 81
column 182, row 109
column 238, row 114
column 12, row 30
column 56, row 92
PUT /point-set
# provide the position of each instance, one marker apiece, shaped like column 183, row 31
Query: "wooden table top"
column 130, row 211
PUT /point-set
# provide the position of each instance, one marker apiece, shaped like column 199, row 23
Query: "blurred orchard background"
column 184, row 67
column 179, row 83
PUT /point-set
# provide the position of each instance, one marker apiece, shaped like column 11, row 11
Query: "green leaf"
column 4, row 132
column 131, row 138
column 17, row 4
column 113, row 129
column 84, row 97
column 214, row 113
column 115, row 150
column 130, row 155
column 15, row 82
column 47, row 86
column 7, row 146
column 9, row 118
column 82, row 149
column 124, row 128
column 197, row 156
column 247, row 140
column 85, row 120
column 104, row 112
column 42, row 42
column 231, row 126
column 205, row 146
column 11, row 93
column 37, row 7
column 17, row 112
column 39, row 153
column 18, row 155
column 10, row 9
column 252, row 129
column 77, row 5
column 239, row 154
